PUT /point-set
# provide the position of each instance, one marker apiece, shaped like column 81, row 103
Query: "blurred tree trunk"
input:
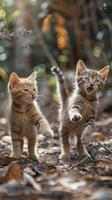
column 23, row 61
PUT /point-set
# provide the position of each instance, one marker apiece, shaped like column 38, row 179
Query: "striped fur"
column 78, row 116
column 62, row 83
column 26, row 119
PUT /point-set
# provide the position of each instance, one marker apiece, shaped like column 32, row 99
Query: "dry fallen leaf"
column 97, row 136
column 13, row 172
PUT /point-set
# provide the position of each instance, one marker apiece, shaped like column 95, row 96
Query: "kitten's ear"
column 104, row 72
column 81, row 67
column 13, row 79
column 33, row 76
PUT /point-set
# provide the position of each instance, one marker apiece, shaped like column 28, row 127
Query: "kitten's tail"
column 62, row 83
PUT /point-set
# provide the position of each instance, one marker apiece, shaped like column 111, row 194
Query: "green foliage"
column 41, row 73
column 52, row 81
column 97, row 50
column 12, row 17
column 2, row 13
column 63, row 59
column 53, row 84
column 55, row 97
column 3, row 74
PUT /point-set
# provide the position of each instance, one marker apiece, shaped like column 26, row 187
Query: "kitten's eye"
column 34, row 89
column 86, row 79
column 26, row 90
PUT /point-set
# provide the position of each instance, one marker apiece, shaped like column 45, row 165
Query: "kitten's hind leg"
column 86, row 135
column 65, row 149
column 87, row 132
column 16, row 149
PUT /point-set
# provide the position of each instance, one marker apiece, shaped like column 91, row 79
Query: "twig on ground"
column 81, row 161
column 104, row 146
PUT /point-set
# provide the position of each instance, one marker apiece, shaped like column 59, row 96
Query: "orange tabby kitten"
column 79, row 109
column 26, row 119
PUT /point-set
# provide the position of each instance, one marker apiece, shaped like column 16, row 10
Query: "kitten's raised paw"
column 76, row 117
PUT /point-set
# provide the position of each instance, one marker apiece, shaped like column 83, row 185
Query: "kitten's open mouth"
column 89, row 89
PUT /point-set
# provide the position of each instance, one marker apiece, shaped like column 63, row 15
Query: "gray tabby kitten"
column 79, row 109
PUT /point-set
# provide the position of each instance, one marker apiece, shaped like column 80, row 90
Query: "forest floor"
column 52, row 179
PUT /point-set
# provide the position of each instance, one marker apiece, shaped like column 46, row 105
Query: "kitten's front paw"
column 75, row 117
